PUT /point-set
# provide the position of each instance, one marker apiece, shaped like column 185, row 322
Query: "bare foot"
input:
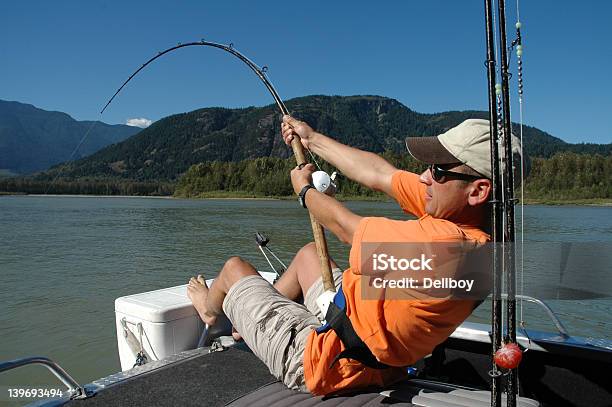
column 197, row 291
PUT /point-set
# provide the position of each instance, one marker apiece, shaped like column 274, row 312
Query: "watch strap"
column 302, row 195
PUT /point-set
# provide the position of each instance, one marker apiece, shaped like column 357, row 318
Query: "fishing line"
column 518, row 43
column 314, row 159
column 519, row 62
column 93, row 124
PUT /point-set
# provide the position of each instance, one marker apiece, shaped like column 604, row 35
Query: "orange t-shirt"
column 398, row 332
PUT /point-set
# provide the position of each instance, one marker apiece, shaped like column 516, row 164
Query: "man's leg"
column 273, row 326
column 304, row 270
column 209, row 301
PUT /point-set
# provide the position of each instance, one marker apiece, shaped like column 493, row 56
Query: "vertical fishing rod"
column 511, row 385
column 496, row 212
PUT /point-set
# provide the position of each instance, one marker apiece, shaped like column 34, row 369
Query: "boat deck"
column 235, row 377
column 209, row 379
column 557, row 371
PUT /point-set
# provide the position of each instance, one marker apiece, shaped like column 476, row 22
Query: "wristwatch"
column 302, row 195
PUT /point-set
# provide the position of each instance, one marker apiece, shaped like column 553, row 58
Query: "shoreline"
column 88, row 196
column 545, row 202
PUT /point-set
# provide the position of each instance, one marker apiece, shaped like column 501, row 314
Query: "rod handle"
column 317, row 229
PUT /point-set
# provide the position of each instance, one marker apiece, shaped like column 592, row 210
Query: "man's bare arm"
column 367, row 168
column 330, row 213
column 364, row 167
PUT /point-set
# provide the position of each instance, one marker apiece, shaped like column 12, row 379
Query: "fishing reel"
column 325, row 183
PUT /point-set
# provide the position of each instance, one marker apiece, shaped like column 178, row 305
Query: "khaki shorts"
column 273, row 326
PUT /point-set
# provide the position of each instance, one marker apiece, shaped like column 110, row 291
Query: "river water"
column 64, row 260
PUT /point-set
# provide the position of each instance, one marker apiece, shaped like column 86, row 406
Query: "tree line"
column 25, row 185
column 564, row 176
column 570, row 176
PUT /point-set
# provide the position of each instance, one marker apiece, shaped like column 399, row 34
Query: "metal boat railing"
column 75, row 390
column 560, row 327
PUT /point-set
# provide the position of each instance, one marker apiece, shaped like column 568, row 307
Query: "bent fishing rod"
column 296, row 145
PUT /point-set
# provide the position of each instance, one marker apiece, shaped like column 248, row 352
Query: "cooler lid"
column 167, row 304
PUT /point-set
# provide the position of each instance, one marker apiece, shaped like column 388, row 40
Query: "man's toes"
column 202, row 280
column 190, row 292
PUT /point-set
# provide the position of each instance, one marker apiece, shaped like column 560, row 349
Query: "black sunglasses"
column 440, row 174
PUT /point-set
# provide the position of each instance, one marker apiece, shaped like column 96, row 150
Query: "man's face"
column 448, row 198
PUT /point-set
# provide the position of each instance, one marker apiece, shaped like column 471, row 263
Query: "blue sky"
column 72, row 55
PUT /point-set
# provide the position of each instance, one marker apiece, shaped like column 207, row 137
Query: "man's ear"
column 478, row 192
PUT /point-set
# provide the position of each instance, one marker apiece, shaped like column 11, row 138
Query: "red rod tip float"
column 508, row 356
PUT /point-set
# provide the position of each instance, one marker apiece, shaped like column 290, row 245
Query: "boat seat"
column 464, row 398
column 278, row 395
column 412, row 393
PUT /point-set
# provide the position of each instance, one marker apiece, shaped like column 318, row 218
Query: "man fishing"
column 376, row 338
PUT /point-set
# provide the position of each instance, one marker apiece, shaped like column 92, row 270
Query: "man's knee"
column 236, row 267
column 308, row 256
column 308, row 252
column 235, row 262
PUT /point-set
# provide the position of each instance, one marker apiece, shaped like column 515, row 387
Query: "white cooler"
column 163, row 323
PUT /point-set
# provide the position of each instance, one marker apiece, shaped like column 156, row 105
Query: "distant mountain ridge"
column 33, row 139
column 166, row 149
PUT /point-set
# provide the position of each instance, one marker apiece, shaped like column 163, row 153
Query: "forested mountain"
column 170, row 146
column 33, row 139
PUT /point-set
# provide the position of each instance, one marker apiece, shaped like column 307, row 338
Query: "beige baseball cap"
column 467, row 143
